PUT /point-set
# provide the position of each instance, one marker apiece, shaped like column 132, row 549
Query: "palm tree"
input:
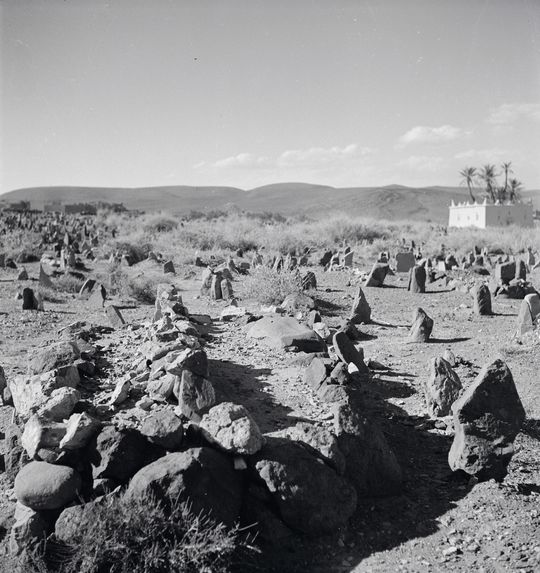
column 515, row 187
column 469, row 174
column 487, row 175
column 507, row 168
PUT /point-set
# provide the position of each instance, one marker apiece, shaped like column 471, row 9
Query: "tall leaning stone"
column 482, row 300
column 377, row 275
column 417, row 279
column 421, row 327
column 487, row 418
column 361, row 311
column 442, row 388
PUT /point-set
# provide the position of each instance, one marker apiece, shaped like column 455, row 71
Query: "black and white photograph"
column 269, row 286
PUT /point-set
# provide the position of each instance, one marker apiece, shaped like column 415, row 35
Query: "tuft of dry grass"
column 268, row 286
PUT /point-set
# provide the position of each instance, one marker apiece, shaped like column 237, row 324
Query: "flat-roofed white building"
column 486, row 214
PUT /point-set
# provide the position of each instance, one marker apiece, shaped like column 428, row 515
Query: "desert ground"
column 440, row 520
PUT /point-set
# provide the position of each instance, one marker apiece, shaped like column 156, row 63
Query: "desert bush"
column 135, row 247
column 68, row 283
column 135, row 535
column 268, row 286
column 160, row 223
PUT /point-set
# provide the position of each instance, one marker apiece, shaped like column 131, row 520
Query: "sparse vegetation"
column 132, row 535
column 268, row 286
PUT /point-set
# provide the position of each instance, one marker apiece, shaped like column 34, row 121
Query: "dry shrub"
column 68, row 283
column 160, row 223
column 143, row 535
column 268, row 286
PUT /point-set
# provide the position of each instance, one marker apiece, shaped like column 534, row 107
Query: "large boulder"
column 53, row 356
column 231, row 427
column 31, row 392
column 203, row 477
column 283, row 332
column 319, row 438
column 442, row 388
column 371, row 465
column 487, row 418
column 164, row 429
column 40, row 485
column 311, row 497
column 119, row 454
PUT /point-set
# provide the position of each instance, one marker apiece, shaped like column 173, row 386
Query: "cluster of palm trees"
column 486, row 176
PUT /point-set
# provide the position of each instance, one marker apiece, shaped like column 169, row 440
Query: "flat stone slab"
column 283, row 332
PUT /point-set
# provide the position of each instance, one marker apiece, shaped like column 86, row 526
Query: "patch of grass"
column 68, row 283
column 129, row 535
column 268, row 286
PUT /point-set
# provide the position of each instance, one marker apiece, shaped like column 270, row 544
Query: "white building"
column 486, row 214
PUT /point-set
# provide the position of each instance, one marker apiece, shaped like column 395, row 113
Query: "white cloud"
column 484, row 155
column 426, row 134
column 429, row 163
column 312, row 158
column 508, row 113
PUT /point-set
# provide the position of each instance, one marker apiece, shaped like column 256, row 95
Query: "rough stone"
column 311, row 497
column 347, row 353
column 528, row 314
column 442, row 388
column 231, row 427
column 60, row 404
column 80, row 429
column 421, row 327
column 371, row 465
column 487, row 418
column 377, row 275
column 195, row 395
column 118, row 454
column 164, row 429
column 283, row 332
column 203, row 477
column 361, row 311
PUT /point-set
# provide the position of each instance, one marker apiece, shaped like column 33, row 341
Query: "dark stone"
column 487, row 418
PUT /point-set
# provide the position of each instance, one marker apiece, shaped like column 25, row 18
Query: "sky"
column 244, row 93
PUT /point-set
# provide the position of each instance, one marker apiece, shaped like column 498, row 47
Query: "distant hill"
column 392, row 202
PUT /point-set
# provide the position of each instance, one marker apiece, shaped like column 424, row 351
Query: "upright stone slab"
column 206, row 281
column 361, row 311
column 115, row 316
column 226, row 289
column 405, row 261
column 377, row 275
column 417, row 279
column 528, row 314
column 487, row 418
column 521, row 270
column 421, row 327
column 98, row 296
column 168, row 267
column 442, row 388
column 29, row 300
column 482, row 300
column 215, row 287
column 505, row 272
